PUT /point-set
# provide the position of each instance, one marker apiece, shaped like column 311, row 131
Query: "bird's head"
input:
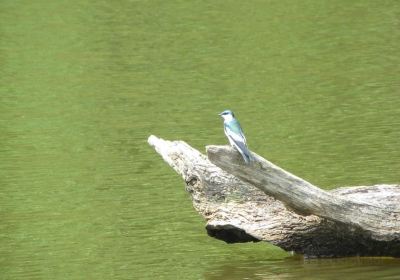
column 227, row 115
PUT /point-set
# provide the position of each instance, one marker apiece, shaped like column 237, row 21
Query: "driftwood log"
column 262, row 202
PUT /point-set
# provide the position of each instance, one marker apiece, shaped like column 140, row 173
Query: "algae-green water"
column 315, row 85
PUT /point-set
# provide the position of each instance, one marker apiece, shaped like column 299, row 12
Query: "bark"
column 381, row 221
column 262, row 202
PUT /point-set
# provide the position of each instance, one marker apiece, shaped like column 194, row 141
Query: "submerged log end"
column 229, row 233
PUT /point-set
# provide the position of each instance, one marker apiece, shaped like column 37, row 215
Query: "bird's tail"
column 248, row 158
column 246, row 155
column 244, row 151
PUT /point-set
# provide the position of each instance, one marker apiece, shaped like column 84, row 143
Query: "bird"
column 235, row 134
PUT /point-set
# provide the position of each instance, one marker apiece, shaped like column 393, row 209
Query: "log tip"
column 153, row 140
column 220, row 154
column 161, row 146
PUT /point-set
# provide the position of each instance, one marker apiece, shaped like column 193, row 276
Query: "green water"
column 315, row 85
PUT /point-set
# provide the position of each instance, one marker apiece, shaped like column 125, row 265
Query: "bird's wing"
column 233, row 128
column 237, row 139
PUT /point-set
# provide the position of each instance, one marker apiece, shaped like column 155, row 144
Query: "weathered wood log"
column 381, row 221
column 237, row 208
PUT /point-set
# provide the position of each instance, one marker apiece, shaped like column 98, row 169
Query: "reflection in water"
column 298, row 268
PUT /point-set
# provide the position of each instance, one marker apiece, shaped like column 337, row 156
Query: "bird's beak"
column 220, row 114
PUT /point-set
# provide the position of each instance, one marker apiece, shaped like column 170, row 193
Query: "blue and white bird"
column 235, row 134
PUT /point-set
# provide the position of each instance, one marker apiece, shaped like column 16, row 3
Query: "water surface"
column 84, row 83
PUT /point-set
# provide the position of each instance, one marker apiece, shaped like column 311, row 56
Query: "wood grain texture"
column 381, row 221
column 238, row 211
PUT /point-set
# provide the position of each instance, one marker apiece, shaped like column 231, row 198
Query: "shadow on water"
column 298, row 268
